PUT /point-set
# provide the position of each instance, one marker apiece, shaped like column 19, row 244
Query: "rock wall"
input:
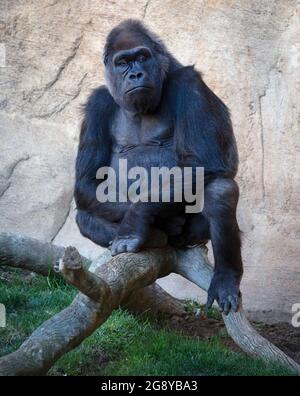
column 248, row 52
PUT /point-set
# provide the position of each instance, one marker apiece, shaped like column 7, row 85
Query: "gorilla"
column 154, row 111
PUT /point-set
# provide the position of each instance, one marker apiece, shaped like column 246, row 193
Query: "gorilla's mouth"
column 138, row 88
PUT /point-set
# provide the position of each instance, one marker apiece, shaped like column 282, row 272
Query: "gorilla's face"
column 135, row 78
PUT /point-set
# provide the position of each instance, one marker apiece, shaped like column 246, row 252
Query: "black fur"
column 186, row 125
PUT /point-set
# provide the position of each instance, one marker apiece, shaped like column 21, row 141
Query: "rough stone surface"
column 248, row 52
column 36, row 175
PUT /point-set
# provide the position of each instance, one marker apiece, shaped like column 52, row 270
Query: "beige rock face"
column 248, row 52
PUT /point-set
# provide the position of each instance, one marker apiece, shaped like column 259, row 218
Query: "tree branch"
column 30, row 254
column 109, row 282
column 67, row 329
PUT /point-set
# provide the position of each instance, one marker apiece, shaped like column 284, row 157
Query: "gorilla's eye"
column 141, row 58
column 122, row 62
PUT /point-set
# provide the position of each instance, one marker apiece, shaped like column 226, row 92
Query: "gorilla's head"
column 136, row 64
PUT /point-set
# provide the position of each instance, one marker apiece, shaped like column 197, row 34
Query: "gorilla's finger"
column 122, row 247
column 133, row 246
column 116, row 248
column 221, row 306
column 226, row 308
column 234, row 303
column 210, row 301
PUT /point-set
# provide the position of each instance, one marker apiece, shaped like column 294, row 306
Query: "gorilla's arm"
column 94, row 148
column 98, row 230
column 203, row 130
column 93, row 153
column 204, row 137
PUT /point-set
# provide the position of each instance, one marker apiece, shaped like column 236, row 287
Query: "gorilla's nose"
column 136, row 76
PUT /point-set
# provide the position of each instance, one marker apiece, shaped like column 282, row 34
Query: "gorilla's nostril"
column 136, row 76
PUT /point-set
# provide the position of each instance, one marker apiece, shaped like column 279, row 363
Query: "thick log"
column 109, row 282
column 41, row 257
column 67, row 329
column 153, row 301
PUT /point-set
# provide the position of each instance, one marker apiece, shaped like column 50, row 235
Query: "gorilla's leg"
column 137, row 223
column 195, row 231
column 100, row 231
column 172, row 226
column 220, row 201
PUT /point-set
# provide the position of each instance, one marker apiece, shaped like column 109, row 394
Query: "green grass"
column 124, row 345
column 194, row 307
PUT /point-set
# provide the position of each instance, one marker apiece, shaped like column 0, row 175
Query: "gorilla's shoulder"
column 99, row 100
column 184, row 86
column 184, row 76
column 100, row 95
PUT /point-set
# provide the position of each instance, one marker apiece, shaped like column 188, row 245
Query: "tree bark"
column 109, row 282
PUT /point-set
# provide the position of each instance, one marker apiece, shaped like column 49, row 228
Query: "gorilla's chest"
column 144, row 141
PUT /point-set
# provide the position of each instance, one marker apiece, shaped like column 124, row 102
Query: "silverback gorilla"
column 156, row 112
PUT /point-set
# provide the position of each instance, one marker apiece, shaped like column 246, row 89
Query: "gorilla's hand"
column 224, row 288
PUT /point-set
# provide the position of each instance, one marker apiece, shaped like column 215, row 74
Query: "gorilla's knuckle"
column 222, row 188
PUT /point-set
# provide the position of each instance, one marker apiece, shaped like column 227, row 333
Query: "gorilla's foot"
column 130, row 244
column 183, row 241
column 174, row 226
